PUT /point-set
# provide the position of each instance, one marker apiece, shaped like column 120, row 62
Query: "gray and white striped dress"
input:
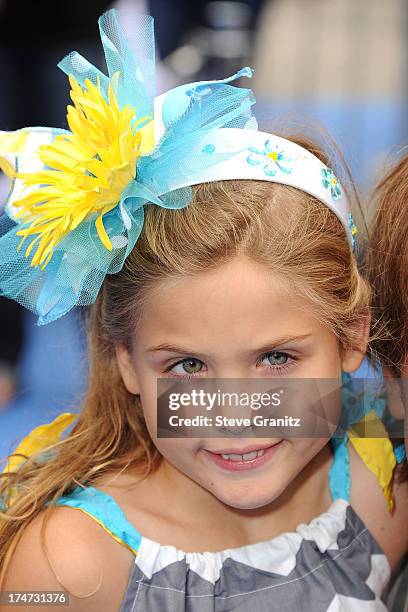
column 332, row 564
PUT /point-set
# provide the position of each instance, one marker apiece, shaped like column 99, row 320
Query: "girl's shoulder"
column 105, row 511
column 81, row 559
column 389, row 529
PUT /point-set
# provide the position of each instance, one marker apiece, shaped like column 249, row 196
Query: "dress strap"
column 106, row 512
column 339, row 474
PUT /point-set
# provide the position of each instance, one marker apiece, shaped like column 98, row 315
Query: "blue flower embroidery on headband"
column 329, row 180
column 272, row 158
column 353, row 229
column 208, row 149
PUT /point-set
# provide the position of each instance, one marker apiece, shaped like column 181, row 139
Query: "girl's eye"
column 276, row 358
column 187, row 366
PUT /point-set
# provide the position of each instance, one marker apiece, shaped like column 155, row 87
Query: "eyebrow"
column 276, row 342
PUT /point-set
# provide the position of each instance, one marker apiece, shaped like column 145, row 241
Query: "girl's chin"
column 246, row 500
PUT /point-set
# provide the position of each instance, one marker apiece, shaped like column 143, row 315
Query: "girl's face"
column 238, row 321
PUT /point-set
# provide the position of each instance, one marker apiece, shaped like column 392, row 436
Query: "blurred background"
column 340, row 64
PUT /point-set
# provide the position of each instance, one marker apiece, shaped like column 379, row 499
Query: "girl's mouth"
column 248, row 460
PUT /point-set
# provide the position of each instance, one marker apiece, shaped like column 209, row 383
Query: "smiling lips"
column 235, row 459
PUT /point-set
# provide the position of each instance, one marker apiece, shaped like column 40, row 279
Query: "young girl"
column 253, row 277
column 386, row 261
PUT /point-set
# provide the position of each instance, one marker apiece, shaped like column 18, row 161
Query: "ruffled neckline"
column 277, row 554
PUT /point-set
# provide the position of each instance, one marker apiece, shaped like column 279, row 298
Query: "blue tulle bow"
column 188, row 115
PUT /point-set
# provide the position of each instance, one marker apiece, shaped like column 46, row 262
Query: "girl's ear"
column 353, row 356
column 127, row 369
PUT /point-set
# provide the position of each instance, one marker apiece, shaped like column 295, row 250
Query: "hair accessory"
column 75, row 209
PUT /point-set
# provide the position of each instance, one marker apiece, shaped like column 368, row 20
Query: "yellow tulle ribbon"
column 38, row 439
column 376, row 451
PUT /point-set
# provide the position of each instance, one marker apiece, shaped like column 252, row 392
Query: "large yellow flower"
column 88, row 169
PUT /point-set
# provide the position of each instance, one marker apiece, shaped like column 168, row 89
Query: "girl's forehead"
column 239, row 301
column 239, row 284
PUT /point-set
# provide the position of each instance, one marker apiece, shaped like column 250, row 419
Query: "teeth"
column 232, row 457
column 250, row 456
column 246, row 457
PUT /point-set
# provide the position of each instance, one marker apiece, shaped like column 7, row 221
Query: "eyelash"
column 276, row 369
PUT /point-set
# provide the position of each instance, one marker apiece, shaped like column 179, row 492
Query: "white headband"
column 256, row 155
